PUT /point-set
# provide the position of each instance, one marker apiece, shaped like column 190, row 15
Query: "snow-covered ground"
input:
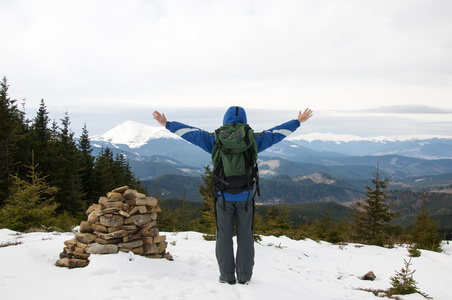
column 284, row 269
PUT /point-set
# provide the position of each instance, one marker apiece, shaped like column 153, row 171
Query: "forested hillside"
column 51, row 150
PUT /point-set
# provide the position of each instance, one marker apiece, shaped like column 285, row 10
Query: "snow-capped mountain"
column 412, row 146
column 345, row 138
column 134, row 134
column 404, row 156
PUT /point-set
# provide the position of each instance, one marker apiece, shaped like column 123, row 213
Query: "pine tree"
column 208, row 223
column 86, row 167
column 275, row 221
column 403, row 282
column 31, row 205
column 39, row 140
column 12, row 133
column 66, row 171
column 371, row 217
column 124, row 174
column 424, row 234
column 104, row 172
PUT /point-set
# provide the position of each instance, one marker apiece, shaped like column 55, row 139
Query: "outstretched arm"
column 191, row 134
column 160, row 118
column 274, row 135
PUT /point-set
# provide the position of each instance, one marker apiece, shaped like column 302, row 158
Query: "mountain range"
column 342, row 167
column 141, row 142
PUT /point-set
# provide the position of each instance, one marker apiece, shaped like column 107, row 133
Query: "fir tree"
column 40, row 126
column 11, row 136
column 124, row 174
column 208, row 223
column 86, row 167
column 403, row 282
column 66, row 171
column 371, row 217
column 104, row 172
column 275, row 221
column 31, row 204
column 424, row 234
column 39, row 140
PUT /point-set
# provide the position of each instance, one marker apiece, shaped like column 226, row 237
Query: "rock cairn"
column 125, row 221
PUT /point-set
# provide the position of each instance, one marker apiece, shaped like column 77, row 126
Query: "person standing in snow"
column 234, row 206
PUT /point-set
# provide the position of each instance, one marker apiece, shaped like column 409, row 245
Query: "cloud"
column 409, row 109
column 94, row 57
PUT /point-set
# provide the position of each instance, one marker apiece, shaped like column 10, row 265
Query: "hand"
column 160, row 118
column 303, row 117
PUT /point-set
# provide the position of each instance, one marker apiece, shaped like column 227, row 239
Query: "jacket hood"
column 235, row 114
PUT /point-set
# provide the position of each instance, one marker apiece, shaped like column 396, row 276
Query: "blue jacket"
column 205, row 140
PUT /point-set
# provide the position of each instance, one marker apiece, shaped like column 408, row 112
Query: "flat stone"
column 113, row 196
column 154, row 232
column 130, row 195
column 125, row 206
column 148, row 229
column 136, row 209
column 132, row 228
column 147, row 201
column 154, row 209
column 81, row 246
column 113, row 235
column 103, row 201
column 92, row 208
column 112, row 221
column 72, row 263
column 100, row 228
column 131, row 245
column 71, row 242
column 148, row 240
column 93, row 217
column 160, row 238
column 151, row 249
column 121, row 189
column 105, row 242
column 85, row 238
column 80, row 255
column 138, row 251
column 162, row 247
column 108, row 211
column 96, row 248
column 115, row 204
column 138, row 220
column 86, row 227
column 130, row 238
column 123, row 213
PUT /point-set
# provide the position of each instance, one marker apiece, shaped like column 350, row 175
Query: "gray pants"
column 226, row 216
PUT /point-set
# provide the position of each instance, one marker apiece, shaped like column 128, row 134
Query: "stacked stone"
column 124, row 221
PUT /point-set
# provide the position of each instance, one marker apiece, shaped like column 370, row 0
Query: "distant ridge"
column 345, row 138
column 142, row 140
column 134, row 134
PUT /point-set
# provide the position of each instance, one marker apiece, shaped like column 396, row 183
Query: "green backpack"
column 234, row 159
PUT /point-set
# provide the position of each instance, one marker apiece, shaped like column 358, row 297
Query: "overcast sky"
column 368, row 68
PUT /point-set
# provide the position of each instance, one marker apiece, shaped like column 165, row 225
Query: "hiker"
column 235, row 204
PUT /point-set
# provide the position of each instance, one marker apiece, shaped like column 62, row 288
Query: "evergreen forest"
column 45, row 154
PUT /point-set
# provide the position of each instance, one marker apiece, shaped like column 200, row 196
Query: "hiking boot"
column 244, row 282
column 228, row 282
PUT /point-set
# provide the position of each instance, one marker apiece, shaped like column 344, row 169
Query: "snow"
column 284, row 269
column 134, row 134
